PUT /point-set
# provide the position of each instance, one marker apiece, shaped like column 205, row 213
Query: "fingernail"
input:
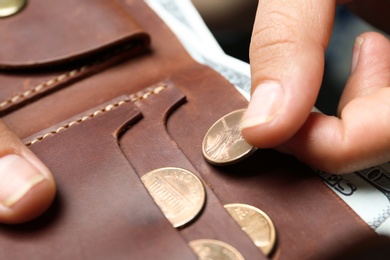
column 264, row 106
column 17, row 177
column 356, row 52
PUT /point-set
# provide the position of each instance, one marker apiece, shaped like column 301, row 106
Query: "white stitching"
column 40, row 87
column 131, row 98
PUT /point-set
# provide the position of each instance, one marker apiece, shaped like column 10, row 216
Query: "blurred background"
column 231, row 23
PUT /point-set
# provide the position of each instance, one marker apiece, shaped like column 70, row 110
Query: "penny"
column 179, row 193
column 223, row 144
column 256, row 224
column 207, row 249
column 10, row 7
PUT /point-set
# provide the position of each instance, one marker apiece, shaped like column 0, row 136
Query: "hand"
column 27, row 187
column 287, row 61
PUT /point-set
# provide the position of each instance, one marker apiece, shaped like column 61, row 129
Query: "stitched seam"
column 58, row 79
column 131, row 98
column 42, row 86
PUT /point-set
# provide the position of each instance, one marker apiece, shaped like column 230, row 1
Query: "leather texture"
column 52, row 33
column 140, row 106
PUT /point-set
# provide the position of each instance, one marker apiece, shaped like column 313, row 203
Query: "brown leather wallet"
column 102, row 92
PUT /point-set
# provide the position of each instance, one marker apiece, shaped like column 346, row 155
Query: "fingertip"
column 273, row 115
column 356, row 52
column 33, row 204
column 27, row 187
column 265, row 105
column 371, row 47
column 370, row 68
column 25, row 191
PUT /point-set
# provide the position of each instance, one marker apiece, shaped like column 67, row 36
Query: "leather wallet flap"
column 65, row 31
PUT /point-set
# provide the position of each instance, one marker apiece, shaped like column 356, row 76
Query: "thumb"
column 27, row 187
column 287, row 59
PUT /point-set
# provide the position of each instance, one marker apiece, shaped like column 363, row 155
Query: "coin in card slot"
column 256, row 224
column 178, row 192
column 223, row 143
column 207, row 249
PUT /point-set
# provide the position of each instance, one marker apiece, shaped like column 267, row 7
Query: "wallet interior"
column 102, row 92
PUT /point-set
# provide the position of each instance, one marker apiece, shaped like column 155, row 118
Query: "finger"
column 287, row 60
column 360, row 138
column 27, row 187
column 364, row 79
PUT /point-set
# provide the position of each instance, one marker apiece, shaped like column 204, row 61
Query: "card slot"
column 126, row 72
column 149, row 147
column 102, row 210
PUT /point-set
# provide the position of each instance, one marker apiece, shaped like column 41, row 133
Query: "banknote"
column 201, row 45
column 184, row 12
column 367, row 192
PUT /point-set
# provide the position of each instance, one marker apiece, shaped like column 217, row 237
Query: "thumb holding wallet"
column 27, row 187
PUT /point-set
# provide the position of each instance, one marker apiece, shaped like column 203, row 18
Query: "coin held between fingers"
column 223, row 144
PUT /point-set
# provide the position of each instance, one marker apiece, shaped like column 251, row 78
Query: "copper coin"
column 207, row 249
column 223, row 144
column 179, row 193
column 256, row 224
column 10, row 7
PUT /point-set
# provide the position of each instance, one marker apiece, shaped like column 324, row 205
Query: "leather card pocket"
column 102, row 209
